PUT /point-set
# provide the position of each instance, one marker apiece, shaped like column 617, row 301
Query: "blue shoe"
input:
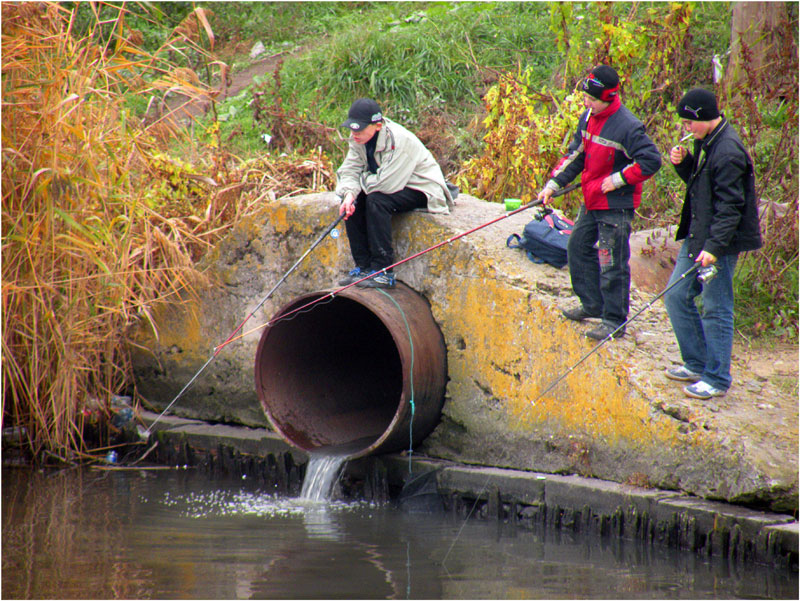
column 354, row 275
column 702, row 390
column 681, row 374
column 381, row 280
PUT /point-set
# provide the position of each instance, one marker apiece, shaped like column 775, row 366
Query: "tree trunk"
column 761, row 41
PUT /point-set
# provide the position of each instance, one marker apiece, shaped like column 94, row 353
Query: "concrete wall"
column 610, row 418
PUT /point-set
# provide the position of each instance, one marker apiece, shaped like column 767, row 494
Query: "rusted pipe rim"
column 340, row 375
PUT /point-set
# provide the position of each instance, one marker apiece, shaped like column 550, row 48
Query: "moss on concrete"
column 613, row 417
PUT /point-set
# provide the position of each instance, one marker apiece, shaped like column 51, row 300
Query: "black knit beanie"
column 602, row 83
column 698, row 105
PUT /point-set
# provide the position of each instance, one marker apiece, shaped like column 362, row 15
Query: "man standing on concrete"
column 387, row 170
column 613, row 155
column 718, row 221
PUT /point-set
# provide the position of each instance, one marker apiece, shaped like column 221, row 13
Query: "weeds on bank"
column 527, row 130
column 100, row 220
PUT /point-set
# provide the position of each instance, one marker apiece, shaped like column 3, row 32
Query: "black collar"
column 712, row 137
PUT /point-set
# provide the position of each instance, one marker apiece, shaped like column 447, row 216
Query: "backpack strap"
column 516, row 243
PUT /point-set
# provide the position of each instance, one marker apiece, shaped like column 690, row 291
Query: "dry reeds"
column 91, row 237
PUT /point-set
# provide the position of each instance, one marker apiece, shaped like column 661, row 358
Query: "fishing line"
column 466, row 519
column 411, row 378
column 233, row 337
column 230, row 338
column 333, row 293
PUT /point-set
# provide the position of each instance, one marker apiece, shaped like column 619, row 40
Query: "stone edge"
column 604, row 507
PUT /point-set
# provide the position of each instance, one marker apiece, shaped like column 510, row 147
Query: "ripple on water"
column 225, row 503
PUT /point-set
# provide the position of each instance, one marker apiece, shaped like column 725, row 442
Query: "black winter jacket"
column 720, row 213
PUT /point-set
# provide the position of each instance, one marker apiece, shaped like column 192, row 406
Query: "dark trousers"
column 369, row 228
column 598, row 253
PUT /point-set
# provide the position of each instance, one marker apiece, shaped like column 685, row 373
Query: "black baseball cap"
column 363, row 112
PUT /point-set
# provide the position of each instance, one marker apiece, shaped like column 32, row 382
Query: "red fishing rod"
column 330, row 295
column 230, row 338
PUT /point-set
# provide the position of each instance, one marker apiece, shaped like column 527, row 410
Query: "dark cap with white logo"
column 698, row 105
column 363, row 112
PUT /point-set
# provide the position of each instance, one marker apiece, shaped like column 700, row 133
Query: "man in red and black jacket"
column 613, row 155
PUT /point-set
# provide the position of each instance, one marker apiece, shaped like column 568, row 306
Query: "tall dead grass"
column 99, row 221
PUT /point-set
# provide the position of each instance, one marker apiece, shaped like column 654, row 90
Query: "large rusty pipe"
column 340, row 375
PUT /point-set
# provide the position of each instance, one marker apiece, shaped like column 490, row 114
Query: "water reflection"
column 320, row 524
column 168, row 534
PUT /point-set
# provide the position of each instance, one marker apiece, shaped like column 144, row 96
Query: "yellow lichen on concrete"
column 516, row 347
column 612, row 416
column 279, row 219
column 179, row 327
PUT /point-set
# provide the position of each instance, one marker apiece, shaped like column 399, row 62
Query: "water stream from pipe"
column 324, row 466
column 322, row 472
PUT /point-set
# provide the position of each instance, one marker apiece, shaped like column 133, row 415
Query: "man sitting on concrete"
column 387, row 170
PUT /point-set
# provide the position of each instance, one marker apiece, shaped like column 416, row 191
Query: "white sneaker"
column 681, row 374
column 703, row 390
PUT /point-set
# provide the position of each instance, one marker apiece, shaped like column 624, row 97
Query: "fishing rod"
column 333, row 293
column 233, row 336
column 230, row 338
column 705, row 275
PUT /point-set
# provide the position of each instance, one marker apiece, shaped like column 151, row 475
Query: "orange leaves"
column 83, row 254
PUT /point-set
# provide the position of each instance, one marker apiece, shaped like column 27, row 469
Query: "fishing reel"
column 706, row 274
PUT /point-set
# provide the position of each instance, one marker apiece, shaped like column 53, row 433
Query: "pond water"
column 168, row 534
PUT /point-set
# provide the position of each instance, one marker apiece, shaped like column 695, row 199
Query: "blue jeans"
column 705, row 340
column 598, row 252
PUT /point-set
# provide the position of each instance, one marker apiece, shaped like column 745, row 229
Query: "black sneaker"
column 577, row 313
column 603, row 331
column 354, row 275
column 381, row 280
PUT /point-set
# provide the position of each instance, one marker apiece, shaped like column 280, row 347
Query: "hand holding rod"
column 566, row 189
column 327, row 231
column 557, row 193
column 618, row 328
column 330, row 295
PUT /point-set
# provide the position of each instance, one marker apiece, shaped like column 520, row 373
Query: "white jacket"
column 403, row 161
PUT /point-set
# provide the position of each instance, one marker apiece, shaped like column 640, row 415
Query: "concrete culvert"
column 341, row 374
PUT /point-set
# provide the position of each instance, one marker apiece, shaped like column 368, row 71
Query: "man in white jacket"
column 387, row 170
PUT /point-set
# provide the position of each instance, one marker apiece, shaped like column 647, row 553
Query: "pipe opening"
column 339, row 374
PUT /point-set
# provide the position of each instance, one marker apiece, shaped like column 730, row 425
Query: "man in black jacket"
column 718, row 221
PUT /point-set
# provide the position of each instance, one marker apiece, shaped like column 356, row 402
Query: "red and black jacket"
column 612, row 142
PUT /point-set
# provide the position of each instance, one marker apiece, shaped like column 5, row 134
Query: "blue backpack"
column 544, row 239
